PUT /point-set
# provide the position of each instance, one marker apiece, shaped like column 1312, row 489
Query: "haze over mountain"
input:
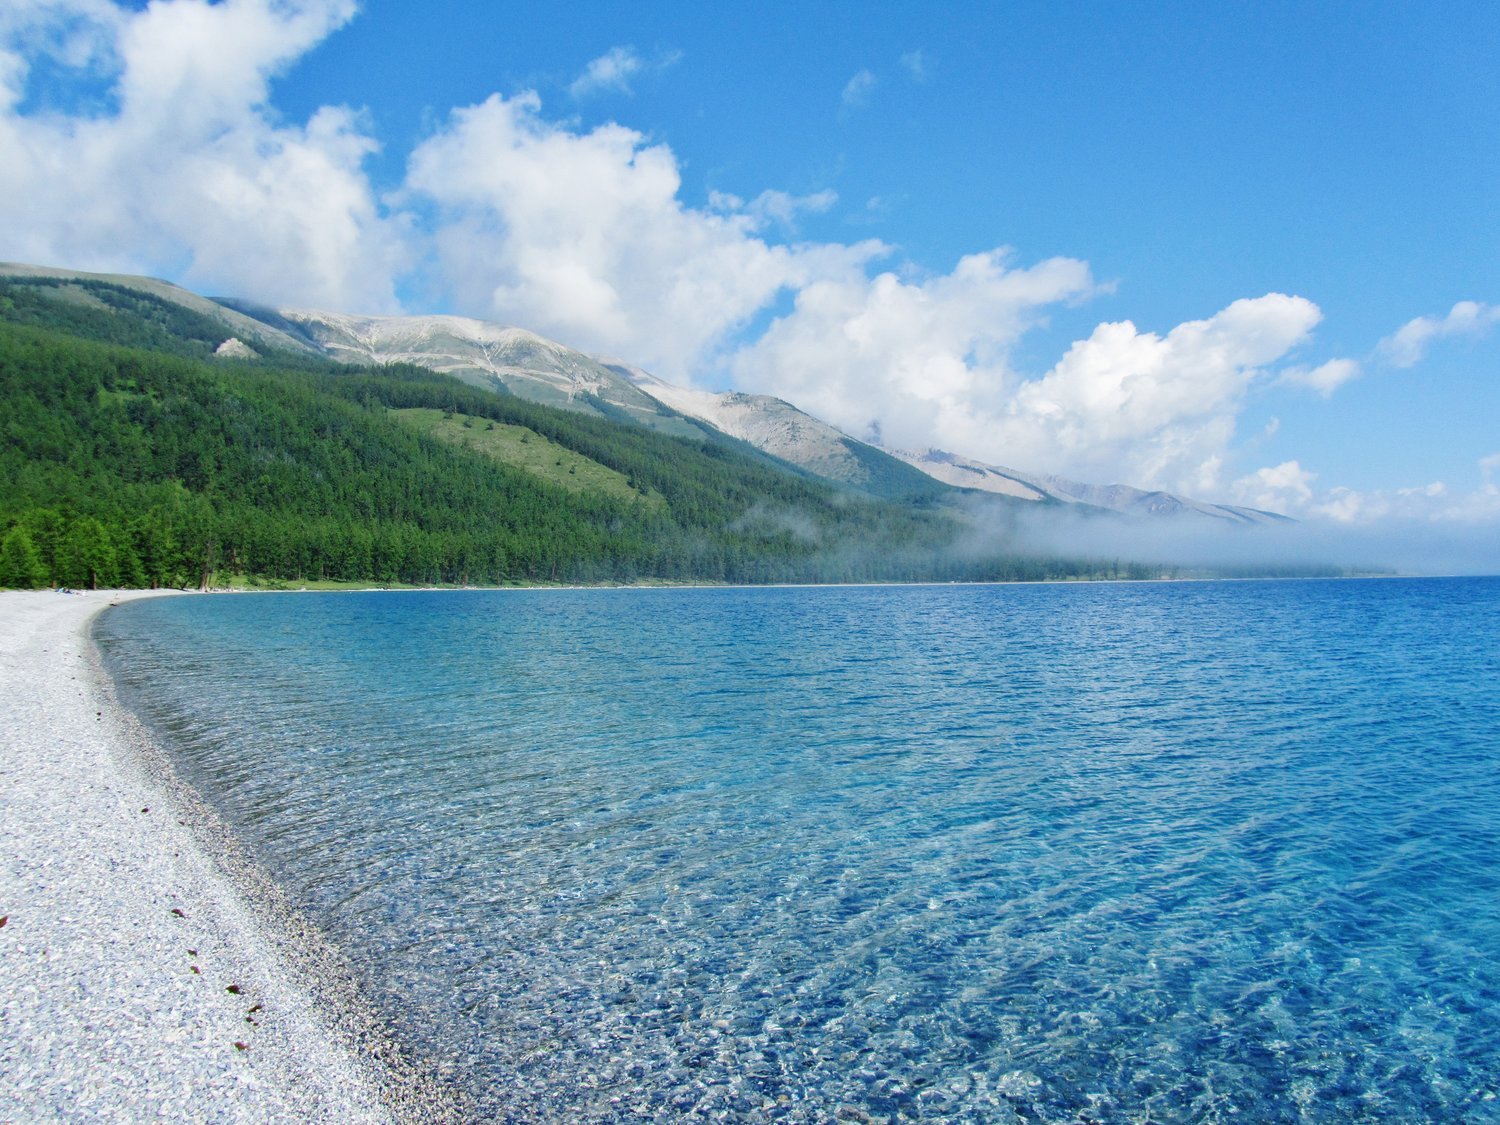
column 145, row 445
column 1016, row 510
column 961, row 472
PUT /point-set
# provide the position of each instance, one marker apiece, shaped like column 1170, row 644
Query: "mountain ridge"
column 513, row 360
column 964, row 472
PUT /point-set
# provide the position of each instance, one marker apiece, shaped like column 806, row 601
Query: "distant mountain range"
column 515, row 361
column 530, row 366
column 964, row 473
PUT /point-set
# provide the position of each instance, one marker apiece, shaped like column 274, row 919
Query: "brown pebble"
column 192, row 953
column 255, row 1009
column 238, row 1046
column 145, row 810
column 4, row 919
column 234, row 988
column 179, row 913
column 194, row 968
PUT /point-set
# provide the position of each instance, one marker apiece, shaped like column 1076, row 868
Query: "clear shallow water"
column 1101, row 852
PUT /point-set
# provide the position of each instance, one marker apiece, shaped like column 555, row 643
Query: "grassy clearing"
column 525, row 449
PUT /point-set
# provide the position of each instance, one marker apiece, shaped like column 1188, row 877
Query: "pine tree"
column 85, row 557
column 20, row 562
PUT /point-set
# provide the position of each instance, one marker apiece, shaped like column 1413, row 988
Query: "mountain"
column 775, row 426
column 139, row 452
column 520, row 363
column 961, row 472
column 779, row 428
column 490, row 356
column 212, row 322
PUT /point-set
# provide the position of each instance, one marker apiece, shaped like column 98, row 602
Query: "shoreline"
column 929, row 584
column 148, row 968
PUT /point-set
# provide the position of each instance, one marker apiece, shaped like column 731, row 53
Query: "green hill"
column 157, row 464
column 137, row 452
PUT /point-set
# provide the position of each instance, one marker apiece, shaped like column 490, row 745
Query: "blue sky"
column 1246, row 251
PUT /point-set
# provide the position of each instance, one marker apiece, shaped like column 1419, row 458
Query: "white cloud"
column 613, row 71
column 1159, row 409
column 1351, row 506
column 916, row 64
column 1289, row 488
column 1408, row 344
column 187, row 171
column 610, row 71
column 73, row 33
column 774, row 207
column 190, row 173
column 582, row 235
column 784, row 208
column 1286, row 487
column 913, row 356
column 1429, row 527
column 927, row 362
column 857, row 90
column 1325, row 378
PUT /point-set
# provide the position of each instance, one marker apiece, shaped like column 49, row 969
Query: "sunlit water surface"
column 1057, row 853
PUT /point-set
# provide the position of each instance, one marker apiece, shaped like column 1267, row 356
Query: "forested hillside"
column 136, row 467
column 97, row 310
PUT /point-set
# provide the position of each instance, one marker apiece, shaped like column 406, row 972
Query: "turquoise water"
column 1198, row 851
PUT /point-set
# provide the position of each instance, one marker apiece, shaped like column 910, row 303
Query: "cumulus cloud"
column 857, row 90
column 1290, row 489
column 1286, row 487
column 72, row 33
column 916, row 64
column 583, row 235
column 1351, row 506
column 184, row 169
column 1325, row 378
column 1160, row 407
column 911, row 357
column 927, row 362
column 1407, row 346
column 189, row 172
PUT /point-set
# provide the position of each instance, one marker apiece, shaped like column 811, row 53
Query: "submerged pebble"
column 1181, row 851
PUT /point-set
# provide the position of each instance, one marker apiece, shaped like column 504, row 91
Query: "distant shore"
column 147, row 971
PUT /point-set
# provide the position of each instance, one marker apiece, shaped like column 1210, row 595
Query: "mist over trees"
column 135, row 457
column 127, row 467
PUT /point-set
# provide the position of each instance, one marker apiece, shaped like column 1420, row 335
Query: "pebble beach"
column 146, row 971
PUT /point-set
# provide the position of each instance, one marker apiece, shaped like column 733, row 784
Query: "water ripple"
column 1101, row 853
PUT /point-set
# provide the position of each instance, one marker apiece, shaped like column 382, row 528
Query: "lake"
column 1114, row 852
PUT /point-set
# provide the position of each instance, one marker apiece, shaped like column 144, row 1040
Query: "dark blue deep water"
column 1197, row 851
